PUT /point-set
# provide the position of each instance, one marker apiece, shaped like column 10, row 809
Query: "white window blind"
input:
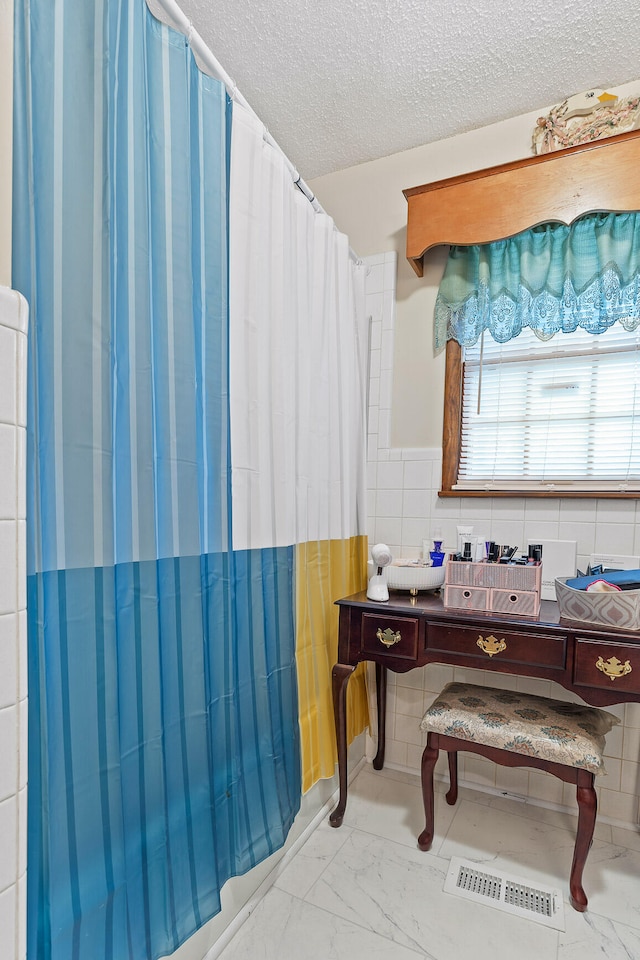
column 559, row 414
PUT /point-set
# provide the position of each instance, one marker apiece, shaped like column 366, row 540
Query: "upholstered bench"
column 519, row 730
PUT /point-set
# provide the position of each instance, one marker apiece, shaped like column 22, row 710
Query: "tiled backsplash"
column 13, row 631
column 404, row 510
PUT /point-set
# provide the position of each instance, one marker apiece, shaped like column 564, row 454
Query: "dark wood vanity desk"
column 600, row 664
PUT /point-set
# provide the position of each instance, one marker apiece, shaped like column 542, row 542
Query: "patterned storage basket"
column 619, row 609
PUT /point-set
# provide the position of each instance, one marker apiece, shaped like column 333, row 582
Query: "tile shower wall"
column 13, row 667
column 404, row 509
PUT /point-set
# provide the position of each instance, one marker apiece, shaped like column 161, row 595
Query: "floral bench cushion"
column 566, row 733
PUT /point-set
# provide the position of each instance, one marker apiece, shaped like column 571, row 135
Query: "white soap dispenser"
column 377, row 588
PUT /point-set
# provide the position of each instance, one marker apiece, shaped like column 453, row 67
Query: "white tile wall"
column 13, row 667
column 404, row 509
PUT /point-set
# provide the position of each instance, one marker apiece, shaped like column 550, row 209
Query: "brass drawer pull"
column 388, row 637
column 613, row 667
column 491, row 645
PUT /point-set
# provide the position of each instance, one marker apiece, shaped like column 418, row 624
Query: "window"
column 559, row 417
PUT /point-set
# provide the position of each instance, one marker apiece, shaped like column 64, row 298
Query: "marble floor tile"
column 396, row 892
column 390, row 773
column 393, row 809
column 612, row 884
column 557, row 818
column 523, row 846
column 544, row 851
column 592, row 937
column 285, row 928
column 626, row 837
column 365, row 891
column 306, row 866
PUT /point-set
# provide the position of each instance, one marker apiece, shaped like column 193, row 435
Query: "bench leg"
column 452, row 793
column 587, row 807
column 429, row 758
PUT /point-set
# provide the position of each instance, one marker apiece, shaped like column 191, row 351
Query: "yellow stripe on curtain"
column 326, row 570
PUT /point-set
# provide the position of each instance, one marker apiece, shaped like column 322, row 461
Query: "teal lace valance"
column 550, row 278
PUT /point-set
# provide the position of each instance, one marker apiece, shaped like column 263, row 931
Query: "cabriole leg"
column 587, row 808
column 429, row 758
column 339, row 680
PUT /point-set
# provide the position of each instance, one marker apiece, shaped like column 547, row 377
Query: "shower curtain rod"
column 177, row 19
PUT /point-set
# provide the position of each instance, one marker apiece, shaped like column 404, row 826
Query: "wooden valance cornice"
column 501, row 201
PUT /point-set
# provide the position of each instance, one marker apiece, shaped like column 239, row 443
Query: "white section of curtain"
column 298, row 357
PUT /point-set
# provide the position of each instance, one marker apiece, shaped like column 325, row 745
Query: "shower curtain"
column 299, row 362
column 167, row 626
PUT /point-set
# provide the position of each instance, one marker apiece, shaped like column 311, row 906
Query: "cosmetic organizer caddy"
column 493, row 587
column 619, row 609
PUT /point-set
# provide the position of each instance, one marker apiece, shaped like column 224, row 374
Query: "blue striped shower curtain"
column 163, row 730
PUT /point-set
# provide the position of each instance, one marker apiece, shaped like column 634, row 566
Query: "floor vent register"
column 513, row 895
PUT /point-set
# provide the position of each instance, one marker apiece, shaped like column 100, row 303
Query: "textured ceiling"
column 338, row 82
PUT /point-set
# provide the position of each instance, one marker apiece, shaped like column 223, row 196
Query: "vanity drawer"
column 492, row 644
column 520, row 603
column 607, row 665
column 395, row 637
column 466, row 597
column 517, row 603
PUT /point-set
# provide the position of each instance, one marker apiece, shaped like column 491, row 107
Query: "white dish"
column 414, row 577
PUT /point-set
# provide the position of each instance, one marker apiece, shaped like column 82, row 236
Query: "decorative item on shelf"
column 377, row 588
column 437, row 554
column 414, row 575
column 481, row 547
column 592, row 115
column 432, row 550
column 465, row 536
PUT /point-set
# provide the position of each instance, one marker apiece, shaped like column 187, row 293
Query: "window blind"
column 559, row 414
